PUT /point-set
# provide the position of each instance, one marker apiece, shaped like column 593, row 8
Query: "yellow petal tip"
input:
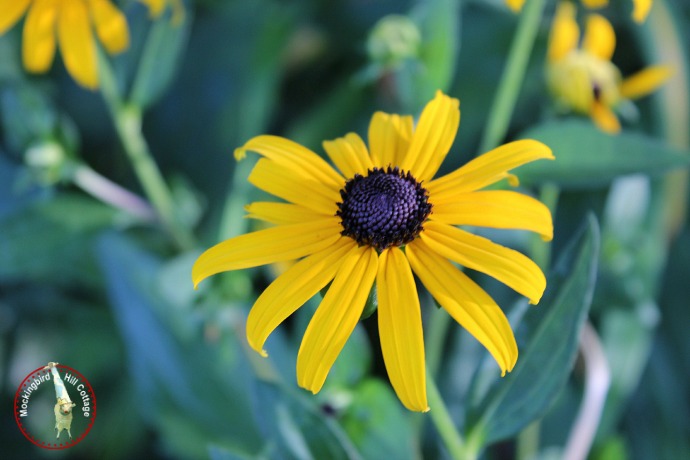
column 240, row 154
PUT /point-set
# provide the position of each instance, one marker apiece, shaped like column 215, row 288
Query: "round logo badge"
column 55, row 407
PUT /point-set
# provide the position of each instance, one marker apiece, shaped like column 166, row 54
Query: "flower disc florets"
column 383, row 209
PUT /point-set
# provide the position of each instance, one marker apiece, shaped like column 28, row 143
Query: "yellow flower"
column 584, row 79
column 381, row 219
column 156, row 8
column 640, row 7
column 72, row 22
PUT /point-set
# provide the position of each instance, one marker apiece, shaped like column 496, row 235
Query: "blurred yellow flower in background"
column 640, row 7
column 379, row 220
column 582, row 78
column 69, row 24
column 157, row 7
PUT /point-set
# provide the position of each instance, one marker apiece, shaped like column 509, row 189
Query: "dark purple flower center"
column 383, row 209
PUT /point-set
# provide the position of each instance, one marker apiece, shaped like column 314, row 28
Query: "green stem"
column 232, row 221
column 127, row 120
column 444, row 424
column 528, row 441
column 513, row 75
column 540, row 250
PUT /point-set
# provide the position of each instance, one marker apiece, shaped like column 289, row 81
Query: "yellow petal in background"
column 564, row 33
column 645, row 81
column 594, row 4
column 287, row 242
column 488, row 168
column 336, row 317
column 495, row 209
column 281, row 213
column 515, row 5
column 641, row 10
column 155, row 6
column 288, row 153
column 604, row 118
column 38, row 41
column 349, row 154
column 295, row 186
column 506, row 265
column 292, row 289
column 12, row 10
column 466, row 302
column 111, row 25
column 433, row 137
column 389, row 138
column 599, row 39
column 400, row 329
column 77, row 45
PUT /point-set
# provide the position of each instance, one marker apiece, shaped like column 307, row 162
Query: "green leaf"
column 545, row 362
column 587, row 157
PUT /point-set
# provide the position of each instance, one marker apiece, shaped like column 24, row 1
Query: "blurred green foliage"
column 108, row 293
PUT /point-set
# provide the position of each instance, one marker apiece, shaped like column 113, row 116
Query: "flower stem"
column 513, row 75
column 444, row 424
column 127, row 120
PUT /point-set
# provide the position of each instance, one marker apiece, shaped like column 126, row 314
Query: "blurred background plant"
column 108, row 196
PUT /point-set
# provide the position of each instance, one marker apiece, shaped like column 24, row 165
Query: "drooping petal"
column 349, row 154
column 336, row 317
column 38, row 36
column 466, row 302
column 645, row 81
column 564, row 32
column 286, row 152
column 12, row 10
column 400, row 329
column 389, row 138
column 599, row 39
column 641, row 10
column 292, row 289
column 77, row 43
column 287, row 242
column 604, row 118
column 506, row 265
column 488, row 168
column 281, row 213
column 433, row 137
column 111, row 25
column 495, row 209
column 293, row 185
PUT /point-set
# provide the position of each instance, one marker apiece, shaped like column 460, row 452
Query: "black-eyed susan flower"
column 381, row 219
column 69, row 24
column 582, row 77
column 640, row 7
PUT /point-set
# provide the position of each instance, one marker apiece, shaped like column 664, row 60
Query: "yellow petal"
column 604, row 118
column 564, row 32
column 495, row 209
column 77, row 44
column 38, row 42
column 432, row 137
column 400, row 329
column 12, row 10
column 292, row 289
column 389, row 138
column 336, row 317
column 466, row 302
column 349, row 155
column 281, row 213
column 599, row 39
column 155, row 6
column 293, row 185
column 287, row 242
column 488, row 168
column 641, row 10
column 645, row 81
column 595, row 4
column 515, row 5
column 286, row 152
column 111, row 25
column 506, row 265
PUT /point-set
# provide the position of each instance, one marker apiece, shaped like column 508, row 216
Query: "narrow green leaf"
column 545, row 362
column 587, row 157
